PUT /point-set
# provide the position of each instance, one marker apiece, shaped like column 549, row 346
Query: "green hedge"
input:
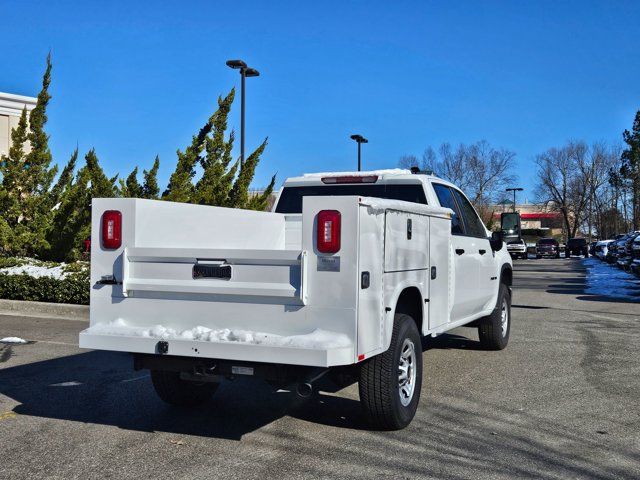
column 72, row 289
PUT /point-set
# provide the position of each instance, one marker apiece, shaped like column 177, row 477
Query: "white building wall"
column 10, row 110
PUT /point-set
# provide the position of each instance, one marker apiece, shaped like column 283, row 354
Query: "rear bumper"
column 249, row 352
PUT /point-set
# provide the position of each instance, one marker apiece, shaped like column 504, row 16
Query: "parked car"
column 517, row 248
column 592, row 248
column 635, row 252
column 344, row 277
column 625, row 252
column 547, row 247
column 612, row 252
column 576, row 246
column 602, row 248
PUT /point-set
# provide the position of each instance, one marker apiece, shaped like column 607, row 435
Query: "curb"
column 44, row 309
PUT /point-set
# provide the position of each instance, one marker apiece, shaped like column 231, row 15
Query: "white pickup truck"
column 345, row 276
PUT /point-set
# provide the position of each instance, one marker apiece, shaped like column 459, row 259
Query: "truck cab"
column 472, row 258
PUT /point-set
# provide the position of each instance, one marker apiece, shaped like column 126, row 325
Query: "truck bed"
column 283, row 302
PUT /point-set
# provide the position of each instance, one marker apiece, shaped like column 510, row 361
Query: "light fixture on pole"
column 514, row 190
column 359, row 140
column 244, row 73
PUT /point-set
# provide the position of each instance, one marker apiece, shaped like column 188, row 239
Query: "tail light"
column 111, row 229
column 329, row 231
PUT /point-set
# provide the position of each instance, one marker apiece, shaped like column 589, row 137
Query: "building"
column 538, row 217
column 11, row 107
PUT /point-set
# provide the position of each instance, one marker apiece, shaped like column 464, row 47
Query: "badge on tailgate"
column 212, row 271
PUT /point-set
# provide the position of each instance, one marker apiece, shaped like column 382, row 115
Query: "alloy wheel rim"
column 407, row 372
column 504, row 318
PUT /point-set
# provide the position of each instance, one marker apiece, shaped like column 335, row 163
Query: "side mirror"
column 496, row 241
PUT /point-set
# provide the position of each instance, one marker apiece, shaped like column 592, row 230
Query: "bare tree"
column 479, row 169
column 570, row 179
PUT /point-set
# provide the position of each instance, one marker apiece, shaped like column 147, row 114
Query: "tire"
column 379, row 386
column 538, row 257
column 558, row 255
column 492, row 330
column 181, row 393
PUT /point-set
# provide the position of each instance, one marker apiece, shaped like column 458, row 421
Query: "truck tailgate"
column 218, row 283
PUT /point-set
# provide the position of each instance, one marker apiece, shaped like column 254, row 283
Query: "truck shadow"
column 102, row 388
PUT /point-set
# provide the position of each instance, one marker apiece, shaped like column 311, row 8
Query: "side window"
column 445, row 197
column 474, row 226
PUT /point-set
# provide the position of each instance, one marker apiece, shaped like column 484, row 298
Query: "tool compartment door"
column 406, row 242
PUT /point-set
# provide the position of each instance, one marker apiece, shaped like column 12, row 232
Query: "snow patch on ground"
column 610, row 281
column 36, row 271
column 12, row 340
column 318, row 339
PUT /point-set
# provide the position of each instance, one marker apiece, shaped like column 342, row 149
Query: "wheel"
column 538, row 257
column 558, row 255
column 494, row 329
column 390, row 383
column 181, row 393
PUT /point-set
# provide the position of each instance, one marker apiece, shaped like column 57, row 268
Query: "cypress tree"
column 64, row 180
column 181, row 188
column 239, row 194
column 13, row 169
column 261, row 201
column 72, row 220
column 150, row 187
column 631, row 167
column 214, row 185
column 39, row 174
column 130, row 187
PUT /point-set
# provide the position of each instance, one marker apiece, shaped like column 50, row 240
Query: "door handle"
column 459, row 251
column 482, row 251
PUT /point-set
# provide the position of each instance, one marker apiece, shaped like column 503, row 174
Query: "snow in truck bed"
column 317, row 339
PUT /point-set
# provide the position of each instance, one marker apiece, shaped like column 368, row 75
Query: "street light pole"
column 359, row 140
column 242, row 97
column 244, row 73
column 514, row 190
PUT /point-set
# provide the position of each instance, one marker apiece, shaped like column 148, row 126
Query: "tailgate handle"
column 211, row 271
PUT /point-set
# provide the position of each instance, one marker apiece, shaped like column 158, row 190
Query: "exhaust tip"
column 304, row 390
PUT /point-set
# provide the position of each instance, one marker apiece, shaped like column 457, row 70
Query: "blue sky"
column 136, row 79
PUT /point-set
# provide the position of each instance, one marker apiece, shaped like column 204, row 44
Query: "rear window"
column 577, row 242
column 291, row 198
column 547, row 241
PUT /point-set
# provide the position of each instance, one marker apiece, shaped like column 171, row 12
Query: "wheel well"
column 410, row 303
column 506, row 276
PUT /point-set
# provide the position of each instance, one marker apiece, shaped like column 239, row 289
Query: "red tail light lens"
column 111, row 229
column 329, row 231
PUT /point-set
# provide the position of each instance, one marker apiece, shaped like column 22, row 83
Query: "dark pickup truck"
column 576, row 246
column 547, row 247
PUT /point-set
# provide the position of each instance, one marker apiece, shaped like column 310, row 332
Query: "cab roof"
column 384, row 176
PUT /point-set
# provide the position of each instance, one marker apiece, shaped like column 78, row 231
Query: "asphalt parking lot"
column 562, row 401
